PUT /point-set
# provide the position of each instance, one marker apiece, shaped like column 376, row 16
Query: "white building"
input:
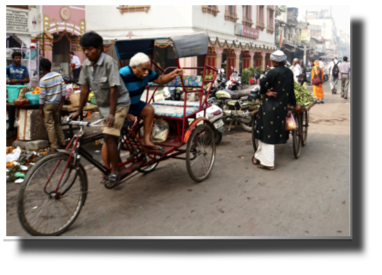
column 240, row 36
column 328, row 32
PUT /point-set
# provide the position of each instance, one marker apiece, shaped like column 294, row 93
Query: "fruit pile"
column 36, row 91
column 303, row 97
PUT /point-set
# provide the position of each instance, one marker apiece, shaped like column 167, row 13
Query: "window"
column 230, row 13
column 270, row 19
column 247, row 16
column 260, row 18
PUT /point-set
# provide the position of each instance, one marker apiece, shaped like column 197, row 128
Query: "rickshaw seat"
column 172, row 111
column 189, row 81
column 175, row 103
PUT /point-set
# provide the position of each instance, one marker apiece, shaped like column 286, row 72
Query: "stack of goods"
column 303, row 97
column 21, row 100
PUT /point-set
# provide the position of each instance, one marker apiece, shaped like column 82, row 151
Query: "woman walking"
column 318, row 73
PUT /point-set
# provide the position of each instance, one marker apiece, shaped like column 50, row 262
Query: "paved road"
column 306, row 197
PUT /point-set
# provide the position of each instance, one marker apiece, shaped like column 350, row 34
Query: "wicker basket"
column 75, row 99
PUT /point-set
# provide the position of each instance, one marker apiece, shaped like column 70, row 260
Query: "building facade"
column 54, row 29
column 239, row 36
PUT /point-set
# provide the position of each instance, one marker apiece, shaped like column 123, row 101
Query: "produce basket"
column 13, row 92
column 75, row 99
column 34, row 99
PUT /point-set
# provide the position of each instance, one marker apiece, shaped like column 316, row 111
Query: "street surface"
column 305, row 197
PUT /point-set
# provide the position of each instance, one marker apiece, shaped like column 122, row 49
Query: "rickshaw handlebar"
column 83, row 123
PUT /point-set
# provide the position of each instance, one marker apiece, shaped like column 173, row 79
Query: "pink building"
column 62, row 27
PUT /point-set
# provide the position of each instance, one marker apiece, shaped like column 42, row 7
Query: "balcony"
column 230, row 17
column 210, row 9
column 260, row 26
column 247, row 22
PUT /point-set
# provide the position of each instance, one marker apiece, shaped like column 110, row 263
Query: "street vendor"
column 100, row 71
column 17, row 74
column 278, row 90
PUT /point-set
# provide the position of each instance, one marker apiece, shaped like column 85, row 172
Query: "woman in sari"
column 317, row 89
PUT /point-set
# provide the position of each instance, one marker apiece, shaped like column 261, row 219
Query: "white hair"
column 296, row 59
column 138, row 59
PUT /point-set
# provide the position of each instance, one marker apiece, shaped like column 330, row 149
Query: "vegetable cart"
column 299, row 136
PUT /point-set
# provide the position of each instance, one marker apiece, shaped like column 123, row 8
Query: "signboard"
column 320, row 48
column 246, row 31
column 305, row 37
column 17, row 21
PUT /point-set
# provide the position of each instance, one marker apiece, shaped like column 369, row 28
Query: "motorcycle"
column 234, row 82
column 235, row 106
column 213, row 113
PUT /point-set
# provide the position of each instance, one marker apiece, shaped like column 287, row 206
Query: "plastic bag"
column 160, row 130
column 69, row 90
column 14, row 155
column 290, row 122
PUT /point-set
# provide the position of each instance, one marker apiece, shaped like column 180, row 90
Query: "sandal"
column 111, row 180
column 257, row 161
column 265, row 167
column 153, row 147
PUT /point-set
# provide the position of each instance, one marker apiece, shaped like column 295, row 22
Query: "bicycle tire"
column 148, row 169
column 297, row 137
column 79, row 182
column 191, row 152
column 304, row 129
column 255, row 142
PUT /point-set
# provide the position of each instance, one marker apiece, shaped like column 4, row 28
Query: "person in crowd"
column 75, row 65
column 278, row 90
column 17, row 74
column 317, row 88
column 52, row 94
column 136, row 76
column 101, row 73
column 302, row 76
column 345, row 77
column 321, row 63
column 296, row 69
column 334, row 72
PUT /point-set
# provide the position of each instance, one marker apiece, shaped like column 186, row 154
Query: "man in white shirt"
column 333, row 75
column 296, row 69
column 75, row 65
column 321, row 63
column 344, row 68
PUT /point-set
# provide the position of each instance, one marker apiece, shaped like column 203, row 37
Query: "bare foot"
column 266, row 167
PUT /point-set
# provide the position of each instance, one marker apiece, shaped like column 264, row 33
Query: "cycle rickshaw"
column 55, row 189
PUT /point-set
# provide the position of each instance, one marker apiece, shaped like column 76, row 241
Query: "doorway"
column 60, row 55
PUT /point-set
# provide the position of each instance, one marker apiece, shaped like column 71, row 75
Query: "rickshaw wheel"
column 304, row 128
column 150, row 168
column 201, row 151
column 297, row 137
column 255, row 142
